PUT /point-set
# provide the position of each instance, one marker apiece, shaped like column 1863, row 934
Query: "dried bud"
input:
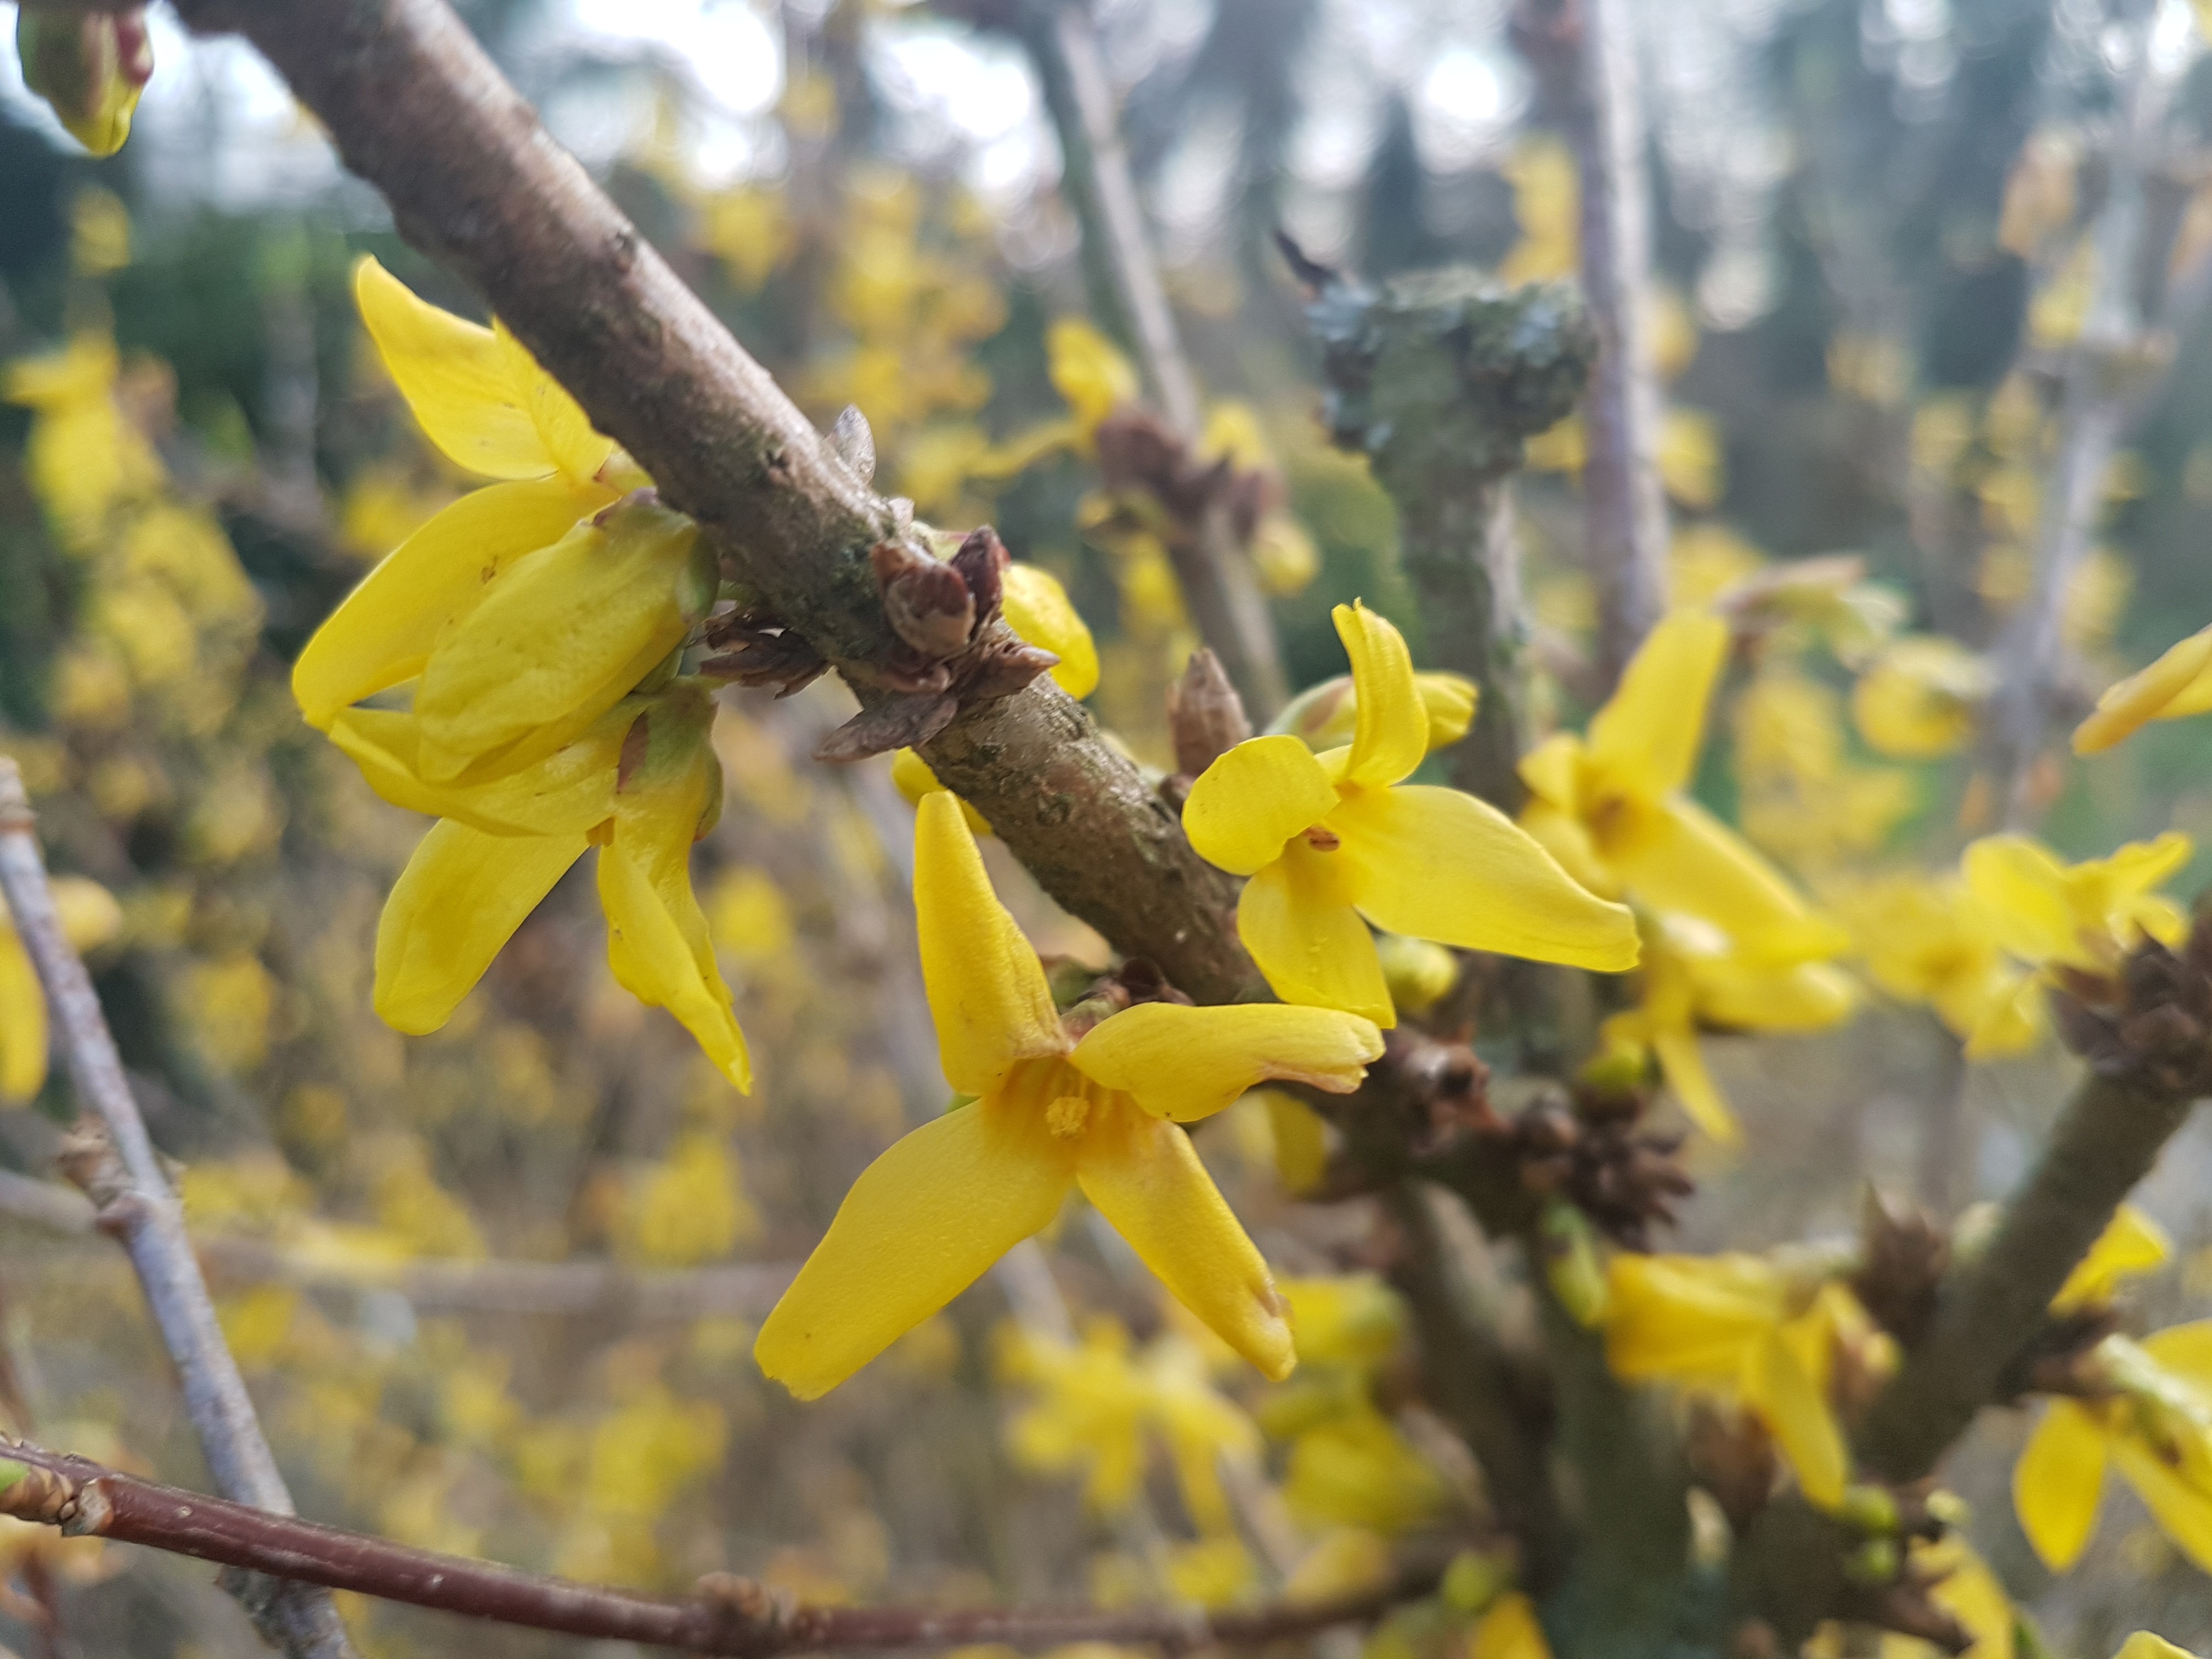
column 1903, row 1255
column 897, row 722
column 1000, row 669
column 981, row 562
column 930, row 606
column 90, row 67
column 1205, row 714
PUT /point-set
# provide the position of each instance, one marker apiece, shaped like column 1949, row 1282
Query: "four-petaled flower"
column 1055, row 1109
column 1328, row 839
column 1611, row 806
column 2085, row 915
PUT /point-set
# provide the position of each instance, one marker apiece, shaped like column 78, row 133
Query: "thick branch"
column 727, row 1616
column 123, row 1178
column 1627, row 508
column 417, row 108
column 2106, row 1140
column 1217, row 579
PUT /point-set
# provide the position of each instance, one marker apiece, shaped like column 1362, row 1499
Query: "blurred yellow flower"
column 1690, row 458
column 83, row 458
column 1357, row 1470
column 2086, row 915
column 1334, row 841
column 1089, row 371
column 1037, row 608
column 1741, row 1329
column 1055, row 1108
column 1929, row 939
column 1921, row 697
column 691, row 1207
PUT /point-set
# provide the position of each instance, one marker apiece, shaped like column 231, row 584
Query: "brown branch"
column 417, row 108
column 726, row 1616
column 1216, row 576
column 116, row 1164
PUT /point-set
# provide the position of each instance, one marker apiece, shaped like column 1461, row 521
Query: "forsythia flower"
column 1098, row 1402
column 2179, row 684
column 1055, row 1109
column 82, row 456
column 1089, row 371
column 2086, row 915
column 1930, row 939
column 1738, row 1327
column 1695, row 976
column 89, row 916
column 1037, row 608
column 1611, row 808
column 2154, row 1425
column 1921, row 697
column 1330, row 839
column 483, row 401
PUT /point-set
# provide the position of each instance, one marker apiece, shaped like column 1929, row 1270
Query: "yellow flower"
column 483, row 401
column 1327, row 715
column 1352, row 1319
column 2154, row 1425
column 1037, row 608
column 1331, row 839
column 1739, row 1327
column 1099, row 1108
column 1088, row 1414
column 642, row 782
column 1695, row 976
column 1611, row 808
column 1089, row 371
column 1357, row 1470
column 83, row 458
column 1509, row 1630
column 1930, row 940
column 2085, row 915
column 89, row 917
column 2179, row 684
column 1921, row 697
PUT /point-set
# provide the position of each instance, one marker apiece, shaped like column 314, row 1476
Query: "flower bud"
column 89, row 67
column 1205, row 714
column 929, row 603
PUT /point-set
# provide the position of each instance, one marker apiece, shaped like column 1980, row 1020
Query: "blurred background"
column 494, row 1289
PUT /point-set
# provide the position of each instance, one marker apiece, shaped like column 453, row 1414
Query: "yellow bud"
column 90, row 68
column 1419, row 973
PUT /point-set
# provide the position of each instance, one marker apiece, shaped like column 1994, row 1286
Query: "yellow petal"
column 1686, row 1318
column 1450, row 701
column 1252, row 799
column 23, row 1021
column 2184, row 1349
column 2144, row 1645
column 1553, row 770
column 1567, row 839
column 921, row 1223
column 2181, row 1507
column 2023, row 886
column 559, row 638
column 1510, row 1630
column 1144, row 1177
column 564, row 428
column 2055, row 1483
column 1038, row 609
column 2132, row 1244
column 912, row 778
column 1796, row 1413
column 658, row 944
column 1439, row 865
column 2177, row 684
column 1684, row 1063
column 461, row 898
column 1645, row 739
column 1189, row 1063
column 987, row 990
column 567, row 793
column 1807, row 996
column 455, row 377
column 1683, row 859
column 1307, row 939
column 1392, row 733
column 382, row 632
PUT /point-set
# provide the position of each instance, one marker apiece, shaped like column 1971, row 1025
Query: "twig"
column 2105, row 1141
column 1626, row 507
column 2104, row 373
column 417, row 108
column 1217, row 579
column 123, row 1177
column 1440, row 380
column 727, row 1616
